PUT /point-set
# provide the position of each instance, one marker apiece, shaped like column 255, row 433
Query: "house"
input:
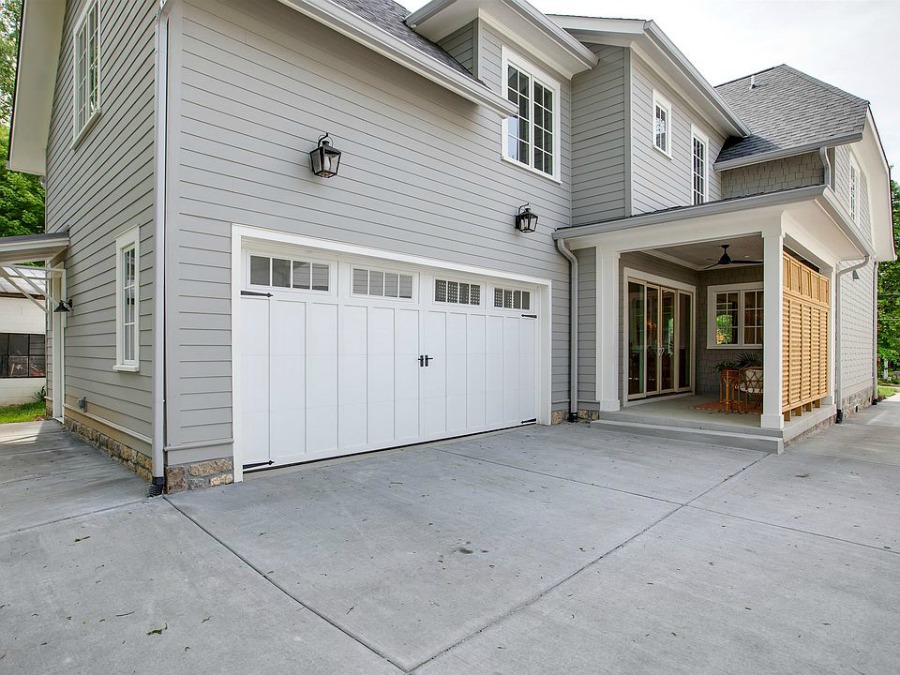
column 22, row 333
column 231, row 310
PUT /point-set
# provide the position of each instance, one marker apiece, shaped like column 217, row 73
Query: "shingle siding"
column 259, row 84
column 783, row 174
column 98, row 189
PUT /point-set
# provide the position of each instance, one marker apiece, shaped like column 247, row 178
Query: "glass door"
column 660, row 340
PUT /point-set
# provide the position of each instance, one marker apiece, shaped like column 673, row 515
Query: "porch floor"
column 677, row 417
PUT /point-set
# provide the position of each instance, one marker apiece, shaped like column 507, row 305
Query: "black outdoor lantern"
column 325, row 159
column 64, row 306
column 526, row 221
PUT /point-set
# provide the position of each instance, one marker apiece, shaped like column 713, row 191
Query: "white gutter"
column 573, row 328
column 378, row 40
column 838, row 380
column 158, row 443
column 783, row 153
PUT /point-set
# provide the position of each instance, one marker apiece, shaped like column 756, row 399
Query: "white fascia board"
column 28, row 249
column 380, row 41
column 709, row 209
column 878, row 175
column 783, row 153
column 42, row 26
column 655, row 47
column 527, row 29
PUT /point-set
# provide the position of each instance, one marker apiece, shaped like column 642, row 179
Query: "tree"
column 10, row 11
column 889, row 294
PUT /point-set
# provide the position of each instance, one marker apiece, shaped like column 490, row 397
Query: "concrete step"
column 730, row 439
column 712, row 422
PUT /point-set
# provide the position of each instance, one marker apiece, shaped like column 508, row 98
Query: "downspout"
column 573, row 328
column 159, row 246
column 838, row 380
column 826, row 163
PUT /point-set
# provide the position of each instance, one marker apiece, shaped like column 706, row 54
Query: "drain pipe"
column 159, row 246
column 838, row 380
column 573, row 328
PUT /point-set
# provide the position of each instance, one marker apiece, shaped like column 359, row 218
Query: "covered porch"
column 728, row 306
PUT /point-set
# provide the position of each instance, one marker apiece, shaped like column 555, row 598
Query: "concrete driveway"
column 540, row 550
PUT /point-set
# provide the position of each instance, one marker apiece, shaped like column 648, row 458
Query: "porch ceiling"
column 700, row 256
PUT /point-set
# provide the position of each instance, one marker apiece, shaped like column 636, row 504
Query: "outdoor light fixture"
column 325, row 159
column 855, row 275
column 526, row 221
column 64, row 306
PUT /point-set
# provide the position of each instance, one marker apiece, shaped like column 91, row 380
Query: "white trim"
column 79, row 133
column 246, row 235
column 697, row 134
column 130, row 239
column 655, row 279
column 740, row 289
column 535, row 74
column 660, row 101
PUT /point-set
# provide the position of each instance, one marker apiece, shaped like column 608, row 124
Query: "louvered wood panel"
column 805, row 320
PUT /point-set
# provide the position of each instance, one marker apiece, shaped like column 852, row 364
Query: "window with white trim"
column 287, row 273
column 128, row 301
column 86, row 60
column 735, row 316
column 662, row 124
column 699, row 167
column 456, row 292
column 532, row 136
column 382, row 284
column 854, row 191
column 509, row 299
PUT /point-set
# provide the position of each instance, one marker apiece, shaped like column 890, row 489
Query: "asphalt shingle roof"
column 390, row 17
column 789, row 109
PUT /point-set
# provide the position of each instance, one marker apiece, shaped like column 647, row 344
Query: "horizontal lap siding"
column 587, row 326
column 98, row 190
column 462, row 46
column 599, row 138
column 420, row 174
column 857, row 326
column 660, row 182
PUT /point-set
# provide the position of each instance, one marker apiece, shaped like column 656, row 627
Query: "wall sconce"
column 526, row 221
column 855, row 275
column 64, row 306
column 325, row 159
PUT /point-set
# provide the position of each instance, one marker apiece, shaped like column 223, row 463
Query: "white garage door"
column 342, row 356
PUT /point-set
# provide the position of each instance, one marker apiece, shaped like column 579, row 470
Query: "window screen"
column 382, row 284
column 22, row 355
column 457, row 292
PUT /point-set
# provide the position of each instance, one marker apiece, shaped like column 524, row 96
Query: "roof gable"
column 789, row 112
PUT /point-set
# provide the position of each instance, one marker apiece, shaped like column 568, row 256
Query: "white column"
column 608, row 329
column 833, row 279
column 773, row 272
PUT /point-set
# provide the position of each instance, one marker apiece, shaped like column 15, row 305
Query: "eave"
column 32, row 247
column 40, row 37
column 380, row 41
column 527, row 28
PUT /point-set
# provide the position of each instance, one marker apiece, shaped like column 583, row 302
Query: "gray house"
column 230, row 309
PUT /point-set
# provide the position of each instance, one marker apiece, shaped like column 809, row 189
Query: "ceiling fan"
column 726, row 259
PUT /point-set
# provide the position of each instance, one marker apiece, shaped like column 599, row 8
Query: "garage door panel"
column 255, row 379
column 494, row 371
column 511, row 372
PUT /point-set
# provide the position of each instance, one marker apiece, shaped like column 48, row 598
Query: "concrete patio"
column 544, row 549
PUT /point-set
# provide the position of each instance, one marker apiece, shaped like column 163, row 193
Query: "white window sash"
column 128, row 301
column 742, row 290
column 86, row 69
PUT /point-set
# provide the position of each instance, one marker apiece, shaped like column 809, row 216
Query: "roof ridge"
column 744, row 77
column 824, row 85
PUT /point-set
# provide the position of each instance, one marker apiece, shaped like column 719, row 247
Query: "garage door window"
column 456, row 292
column 382, row 284
column 509, row 299
column 284, row 273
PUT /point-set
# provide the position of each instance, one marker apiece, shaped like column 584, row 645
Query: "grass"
column 885, row 390
column 26, row 412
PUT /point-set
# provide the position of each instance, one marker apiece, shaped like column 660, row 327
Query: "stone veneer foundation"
column 137, row 461
column 199, row 475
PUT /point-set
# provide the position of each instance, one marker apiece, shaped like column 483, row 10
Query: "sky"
column 852, row 44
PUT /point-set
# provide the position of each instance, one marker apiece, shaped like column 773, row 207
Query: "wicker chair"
column 750, row 387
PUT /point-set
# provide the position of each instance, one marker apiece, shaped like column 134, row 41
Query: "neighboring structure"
column 230, row 310
column 22, row 334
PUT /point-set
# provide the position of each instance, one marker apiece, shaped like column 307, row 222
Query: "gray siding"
column 842, row 156
column 857, row 326
column 782, row 174
column 660, row 182
column 463, row 46
column 99, row 189
column 259, row 84
column 600, row 138
column 587, row 327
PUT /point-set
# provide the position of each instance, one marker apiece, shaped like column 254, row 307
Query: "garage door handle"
column 425, row 360
column 257, row 295
column 428, row 360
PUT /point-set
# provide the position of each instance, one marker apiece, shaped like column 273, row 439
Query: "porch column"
column 773, row 273
column 608, row 302
column 833, row 278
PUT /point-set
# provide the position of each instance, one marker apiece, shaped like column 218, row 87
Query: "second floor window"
column 531, row 135
column 87, row 67
column 854, row 191
column 662, row 124
column 699, row 169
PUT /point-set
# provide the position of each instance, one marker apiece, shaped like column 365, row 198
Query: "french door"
column 660, row 354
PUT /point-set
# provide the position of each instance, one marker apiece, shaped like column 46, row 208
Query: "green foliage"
column 889, row 294
column 21, row 197
column 26, row 412
column 10, row 10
